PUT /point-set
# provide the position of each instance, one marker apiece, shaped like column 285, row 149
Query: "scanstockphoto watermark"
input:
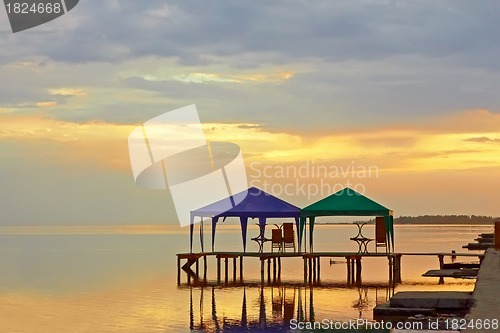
column 361, row 324
column 170, row 152
column 430, row 324
column 310, row 179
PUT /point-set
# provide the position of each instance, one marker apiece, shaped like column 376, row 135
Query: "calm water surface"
column 124, row 280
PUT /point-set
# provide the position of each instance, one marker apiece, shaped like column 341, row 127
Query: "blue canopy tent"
column 253, row 203
column 345, row 202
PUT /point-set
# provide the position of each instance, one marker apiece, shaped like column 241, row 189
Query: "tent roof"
column 254, row 203
column 345, row 202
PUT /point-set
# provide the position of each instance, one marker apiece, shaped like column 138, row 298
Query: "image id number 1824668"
column 37, row 7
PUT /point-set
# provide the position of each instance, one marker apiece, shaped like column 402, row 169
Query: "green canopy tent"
column 345, row 202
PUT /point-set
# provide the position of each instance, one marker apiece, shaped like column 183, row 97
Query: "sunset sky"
column 407, row 87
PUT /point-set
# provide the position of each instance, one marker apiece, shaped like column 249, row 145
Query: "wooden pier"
column 312, row 266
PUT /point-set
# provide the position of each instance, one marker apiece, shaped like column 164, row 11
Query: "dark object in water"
column 444, row 300
column 477, row 246
column 421, row 304
column 384, row 310
column 458, row 265
column 335, row 262
column 453, row 273
column 483, row 240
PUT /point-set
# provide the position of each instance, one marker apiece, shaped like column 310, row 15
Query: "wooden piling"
column 226, row 270
column 274, row 269
column 197, row 267
column 305, row 270
column 234, row 269
column 314, row 269
column 279, row 268
column 398, row 268
column 268, row 270
column 353, row 268
column 391, row 271
column 441, row 266
column 218, row 269
column 358, row 271
column 348, row 261
column 262, row 270
column 178, row 270
column 241, row 268
column 395, row 269
column 319, row 267
column 205, row 268
column 310, row 269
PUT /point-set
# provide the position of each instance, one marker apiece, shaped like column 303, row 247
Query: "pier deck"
column 332, row 254
column 312, row 266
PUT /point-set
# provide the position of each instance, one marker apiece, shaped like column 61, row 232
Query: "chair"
column 277, row 240
column 380, row 234
column 288, row 236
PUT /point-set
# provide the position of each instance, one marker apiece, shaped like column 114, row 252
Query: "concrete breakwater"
column 485, row 311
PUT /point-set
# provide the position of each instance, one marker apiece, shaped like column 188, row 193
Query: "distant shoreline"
column 410, row 223
column 436, row 220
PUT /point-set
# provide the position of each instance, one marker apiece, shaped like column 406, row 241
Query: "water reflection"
column 272, row 308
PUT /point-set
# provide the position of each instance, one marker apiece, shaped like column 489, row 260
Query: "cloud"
column 276, row 31
column 483, row 139
column 247, row 126
column 46, row 104
column 294, row 89
column 100, row 144
column 162, row 12
column 404, row 148
column 469, row 121
column 67, row 92
column 407, row 86
column 228, row 78
column 197, row 78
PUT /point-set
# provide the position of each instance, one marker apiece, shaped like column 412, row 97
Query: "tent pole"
column 214, row 225
column 244, row 227
column 201, row 235
column 297, row 227
column 311, row 231
column 191, row 230
column 305, row 235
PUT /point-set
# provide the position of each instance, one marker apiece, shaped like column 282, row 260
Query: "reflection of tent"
column 346, row 202
column 252, row 204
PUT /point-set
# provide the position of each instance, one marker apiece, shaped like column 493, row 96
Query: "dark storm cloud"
column 279, row 31
column 353, row 61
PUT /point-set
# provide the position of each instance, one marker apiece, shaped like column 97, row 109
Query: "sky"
column 397, row 99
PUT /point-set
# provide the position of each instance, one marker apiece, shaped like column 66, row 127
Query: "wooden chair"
column 380, row 234
column 288, row 236
column 277, row 240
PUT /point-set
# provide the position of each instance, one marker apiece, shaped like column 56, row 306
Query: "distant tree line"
column 446, row 219
column 434, row 219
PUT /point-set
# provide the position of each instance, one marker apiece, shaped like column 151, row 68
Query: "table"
column 261, row 239
column 361, row 240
